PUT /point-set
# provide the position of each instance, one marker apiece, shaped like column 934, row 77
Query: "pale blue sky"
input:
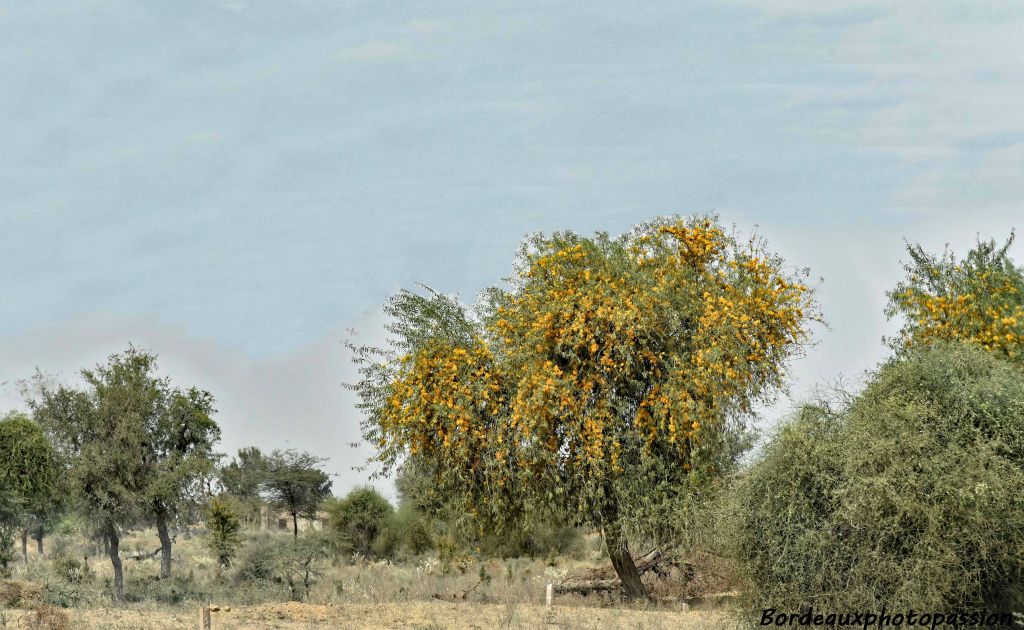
column 234, row 184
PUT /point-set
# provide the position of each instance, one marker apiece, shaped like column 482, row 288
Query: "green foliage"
column 979, row 300
column 411, row 531
column 295, row 565
column 295, row 483
column 223, row 524
column 242, row 478
column 358, row 519
column 427, row 519
column 10, row 515
column 29, row 470
column 182, row 434
column 906, row 496
column 174, row 591
column 245, row 474
column 133, row 445
column 70, row 568
column 608, row 369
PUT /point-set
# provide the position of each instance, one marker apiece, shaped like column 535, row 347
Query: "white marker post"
column 550, row 595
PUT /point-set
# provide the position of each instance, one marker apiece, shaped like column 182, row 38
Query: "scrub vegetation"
column 586, row 424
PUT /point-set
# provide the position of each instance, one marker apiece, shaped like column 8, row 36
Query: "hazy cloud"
column 235, row 183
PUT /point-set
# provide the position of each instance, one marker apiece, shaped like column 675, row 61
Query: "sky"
column 238, row 186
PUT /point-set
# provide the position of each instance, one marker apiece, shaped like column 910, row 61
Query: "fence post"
column 549, row 595
column 205, row 622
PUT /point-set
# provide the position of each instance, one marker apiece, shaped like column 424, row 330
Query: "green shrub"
column 414, row 531
column 294, row 565
column 358, row 519
column 224, row 525
column 908, row 495
column 71, row 595
column 175, row 590
column 259, row 559
column 69, row 568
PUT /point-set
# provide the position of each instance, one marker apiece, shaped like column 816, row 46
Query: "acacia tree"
column 242, row 478
column 133, row 447
column 978, row 300
column 30, row 471
column 244, row 475
column 180, row 457
column 101, row 435
column 295, row 483
column 606, row 363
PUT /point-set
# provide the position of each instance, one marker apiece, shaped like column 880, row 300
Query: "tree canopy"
column 295, row 483
column 978, row 299
column 29, row 469
column 133, row 445
column 905, row 495
column 602, row 357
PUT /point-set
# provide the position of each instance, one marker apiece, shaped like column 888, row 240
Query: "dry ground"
column 363, row 595
column 424, row 615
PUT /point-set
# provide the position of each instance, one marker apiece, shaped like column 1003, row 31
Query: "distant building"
column 276, row 520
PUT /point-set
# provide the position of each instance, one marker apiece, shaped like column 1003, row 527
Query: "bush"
column 71, row 595
column 175, row 590
column 7, row 552
column 69, row 568
column 224, row 525
column 294, row 565
column 46, row 617
column 259, row 559
column 906, row 496
column 541, row 539
column 358, row 519
column 18, row 594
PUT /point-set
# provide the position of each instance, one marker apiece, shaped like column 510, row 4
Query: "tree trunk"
column 295, row 524
column 24, row 544
column 39, row 539
column 115, row 560
column 622, row 561
column 165, row 544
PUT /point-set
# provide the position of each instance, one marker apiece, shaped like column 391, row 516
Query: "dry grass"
column 294, row 615
column 489, row 594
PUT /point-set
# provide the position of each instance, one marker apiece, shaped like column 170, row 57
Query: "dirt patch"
column 423, row 615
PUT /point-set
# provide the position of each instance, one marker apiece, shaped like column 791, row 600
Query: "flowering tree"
column 978, row 300
column 603, row 358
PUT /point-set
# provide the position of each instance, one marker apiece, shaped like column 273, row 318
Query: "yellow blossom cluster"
column 660, row 340
column 993, row 323
column 446, row 400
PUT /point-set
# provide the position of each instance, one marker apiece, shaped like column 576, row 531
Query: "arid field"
column 418, row 594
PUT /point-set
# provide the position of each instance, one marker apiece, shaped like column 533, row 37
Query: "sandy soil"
column 398, row 615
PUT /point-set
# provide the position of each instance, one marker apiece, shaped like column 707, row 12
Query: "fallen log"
column 655, row 563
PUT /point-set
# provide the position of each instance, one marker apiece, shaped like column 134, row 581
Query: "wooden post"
column 549, row 595
column 205, row 621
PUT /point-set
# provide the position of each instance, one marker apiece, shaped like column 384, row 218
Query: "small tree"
column 224, row 526
column 244, row 477
column 979, row 300
column 603, row 357
column 246, row 473
column 29, row 470
column 180, row 456
column 296, row 484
